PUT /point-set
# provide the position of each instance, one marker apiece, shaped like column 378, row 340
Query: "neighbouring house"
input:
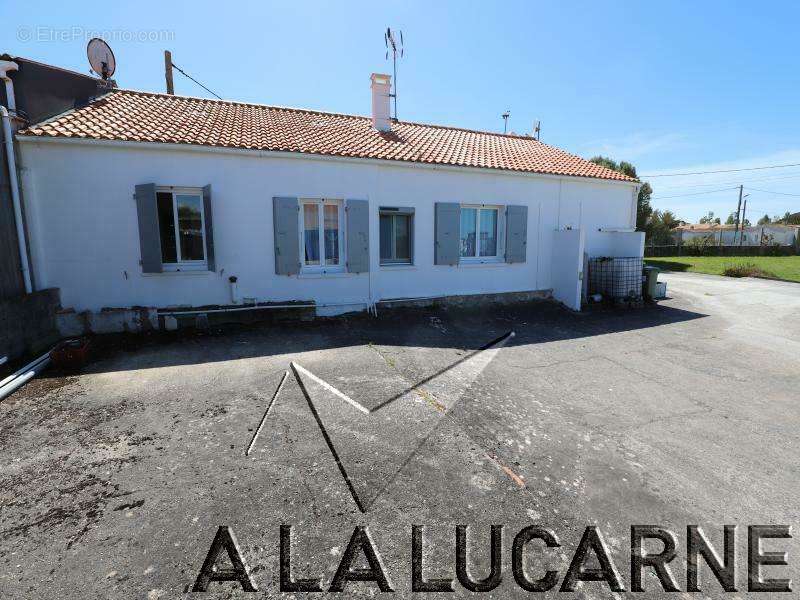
column 29, row 93
column 32, row 92
column 727, row 235
column 150, row 200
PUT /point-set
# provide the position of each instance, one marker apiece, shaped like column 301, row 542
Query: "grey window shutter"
column 149, row 235
column 357, row 236
column 286, row 229
column 447, row 224
column 207, row 217
column 516, row 234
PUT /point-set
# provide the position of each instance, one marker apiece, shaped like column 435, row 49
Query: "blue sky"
column 670, row 86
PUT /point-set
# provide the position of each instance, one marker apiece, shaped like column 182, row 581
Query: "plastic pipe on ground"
column 24, row 369
column 18, row 382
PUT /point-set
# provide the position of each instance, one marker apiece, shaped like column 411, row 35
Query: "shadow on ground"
column 668, row 265
column 463, row 328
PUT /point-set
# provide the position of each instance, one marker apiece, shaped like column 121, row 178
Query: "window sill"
column 168, row 273
column 323, row 274
column 398, row 267
column 488, row 262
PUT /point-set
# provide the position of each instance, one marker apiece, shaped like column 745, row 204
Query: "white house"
column 154, row 200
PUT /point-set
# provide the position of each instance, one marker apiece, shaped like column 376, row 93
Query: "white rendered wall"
column 84, row 233
column 568, row 248
column 618, row 244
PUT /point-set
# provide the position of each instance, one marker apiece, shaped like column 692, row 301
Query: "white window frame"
column 499, row 255
column 180, row 264
column 393, row 211
column 322, row 267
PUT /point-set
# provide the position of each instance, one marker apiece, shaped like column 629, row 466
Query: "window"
column 322, row 237
column 396, row 235
column 181, row 224
column 479, row 227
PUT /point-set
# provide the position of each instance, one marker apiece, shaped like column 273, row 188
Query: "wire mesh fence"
column 714, row 250
column 616, row 278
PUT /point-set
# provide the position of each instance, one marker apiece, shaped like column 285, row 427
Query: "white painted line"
column 266, row 412
column 330, row 388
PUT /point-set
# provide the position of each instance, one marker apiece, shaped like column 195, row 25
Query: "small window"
column 479, row 232
column 321, row 234
column 181, row 225
column 396, row 236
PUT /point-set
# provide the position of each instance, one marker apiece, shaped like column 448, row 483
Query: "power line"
column 694, row 193
column 723, row 171
column 195, row 80
column 732, row 181
column 771, row 192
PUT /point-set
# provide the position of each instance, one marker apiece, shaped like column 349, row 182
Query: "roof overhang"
column 253, row 153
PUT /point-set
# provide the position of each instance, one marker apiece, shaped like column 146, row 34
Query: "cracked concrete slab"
column 113, row 482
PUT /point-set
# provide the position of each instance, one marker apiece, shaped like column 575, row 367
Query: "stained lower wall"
column 28, row 323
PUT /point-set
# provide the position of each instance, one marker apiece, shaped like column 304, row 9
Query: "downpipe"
column 14, row 184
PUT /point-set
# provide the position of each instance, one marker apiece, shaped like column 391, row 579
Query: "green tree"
column 643, row 208
column 710, row 219
column 732, row 220
column 660, row 226
column 669, row 219
column 765, row 220
column 788, row 219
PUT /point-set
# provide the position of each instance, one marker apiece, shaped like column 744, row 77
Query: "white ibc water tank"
column 616, row 277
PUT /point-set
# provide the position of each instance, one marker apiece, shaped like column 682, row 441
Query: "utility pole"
column 738, row 210
column 744, row 219
column 168, row 72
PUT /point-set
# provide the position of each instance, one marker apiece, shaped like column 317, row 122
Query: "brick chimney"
column 381, row 88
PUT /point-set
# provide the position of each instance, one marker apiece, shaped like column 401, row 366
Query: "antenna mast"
column 505, row 116
column 392, row 44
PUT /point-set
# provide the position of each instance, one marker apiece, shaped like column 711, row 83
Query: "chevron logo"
column 372, row 442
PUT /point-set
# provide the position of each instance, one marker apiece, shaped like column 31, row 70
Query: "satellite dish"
column 101, row 58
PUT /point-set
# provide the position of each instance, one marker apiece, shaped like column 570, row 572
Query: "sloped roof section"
column 126, row 115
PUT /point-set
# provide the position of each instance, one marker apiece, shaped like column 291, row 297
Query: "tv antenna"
column 505, row 116
column 537, row 129
column 391, row 41
column 101, row 58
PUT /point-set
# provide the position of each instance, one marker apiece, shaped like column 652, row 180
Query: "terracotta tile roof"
column 146, row 117
column 704, row 226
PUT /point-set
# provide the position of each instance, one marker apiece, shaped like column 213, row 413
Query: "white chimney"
column 381, row 88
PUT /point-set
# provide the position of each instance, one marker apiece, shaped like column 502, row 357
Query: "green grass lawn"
column 780, row 267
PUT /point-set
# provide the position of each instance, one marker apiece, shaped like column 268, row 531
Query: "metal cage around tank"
column 616, row 278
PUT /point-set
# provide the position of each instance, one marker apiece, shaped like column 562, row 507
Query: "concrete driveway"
column 113, row 483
